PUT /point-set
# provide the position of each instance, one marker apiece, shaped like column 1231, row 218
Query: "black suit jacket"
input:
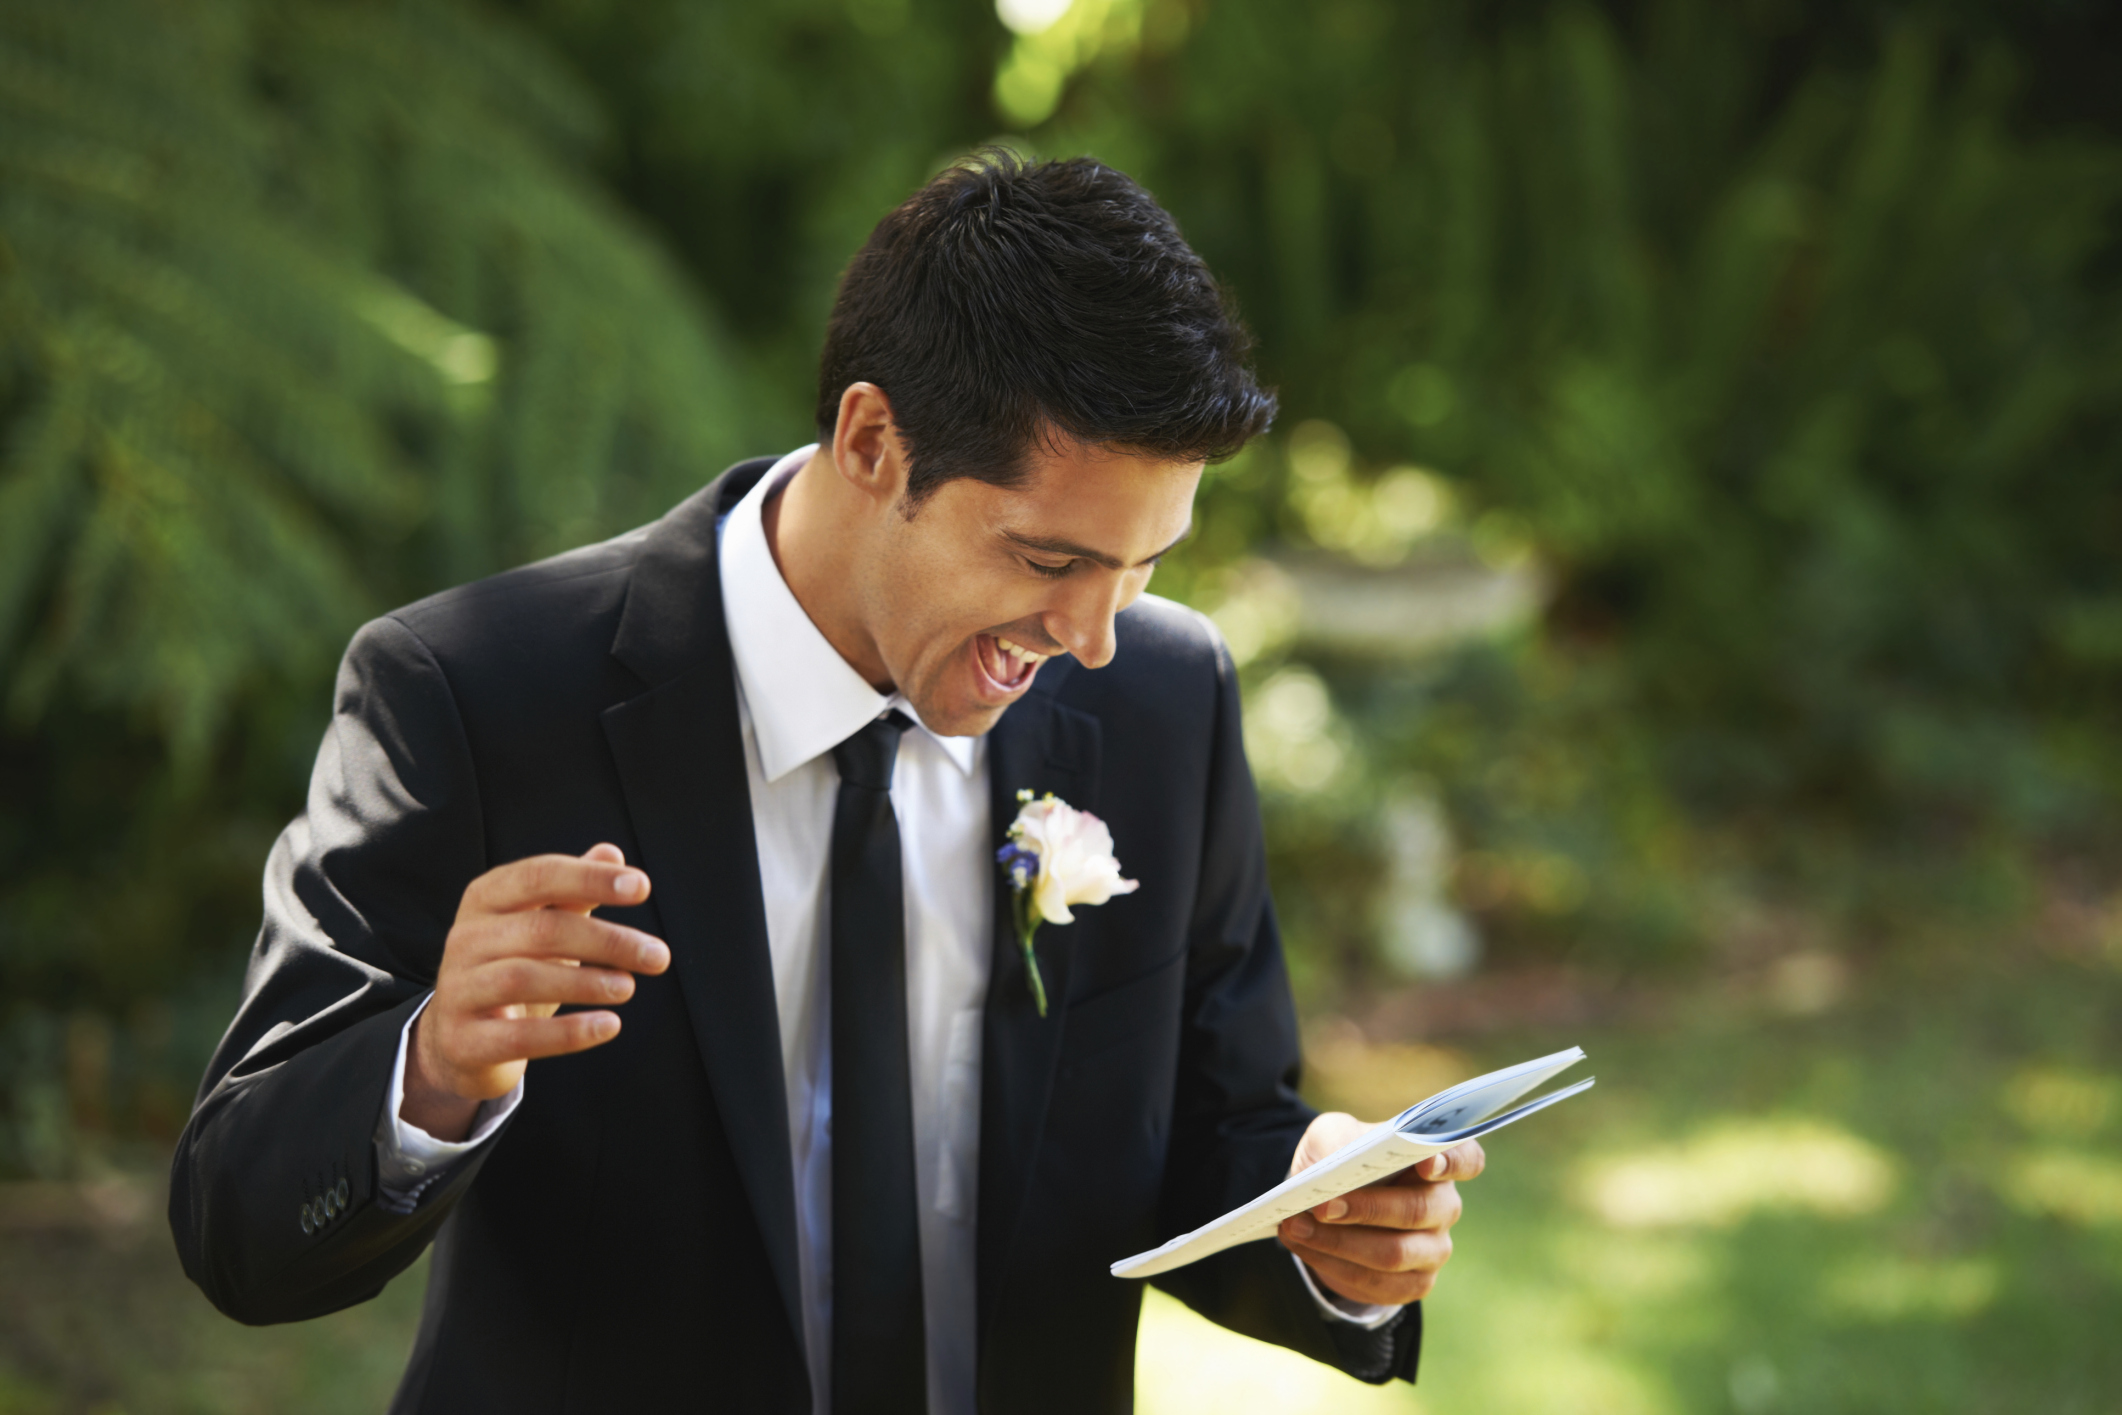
column 628, row 1242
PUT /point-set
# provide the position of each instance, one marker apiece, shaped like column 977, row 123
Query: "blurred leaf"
column 306, row 309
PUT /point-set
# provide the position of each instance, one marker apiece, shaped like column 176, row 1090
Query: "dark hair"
column 1006, row 301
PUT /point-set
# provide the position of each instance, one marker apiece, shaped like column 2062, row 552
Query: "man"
column 740, row 777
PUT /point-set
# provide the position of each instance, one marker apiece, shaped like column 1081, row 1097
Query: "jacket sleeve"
column 1237, row 1117
column 273, row 1189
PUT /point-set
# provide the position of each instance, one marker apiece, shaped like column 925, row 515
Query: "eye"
column 1051, row 572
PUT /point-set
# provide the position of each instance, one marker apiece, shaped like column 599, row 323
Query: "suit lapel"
column 1042, row 746
column 680, row 757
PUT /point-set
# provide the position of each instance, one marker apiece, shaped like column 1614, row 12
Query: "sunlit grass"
column 1187, row 1364
column 2059, row 1100
column 1900, row 1289
column 1739, row 1168
column 1911, row 1202
column 2079, row 1188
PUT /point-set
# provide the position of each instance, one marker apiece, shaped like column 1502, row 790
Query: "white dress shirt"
column 797, row 700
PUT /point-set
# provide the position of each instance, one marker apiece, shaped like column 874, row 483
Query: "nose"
column 1082, row 621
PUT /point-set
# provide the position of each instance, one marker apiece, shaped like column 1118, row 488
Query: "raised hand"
column 523, row 944
column 1386, row 1242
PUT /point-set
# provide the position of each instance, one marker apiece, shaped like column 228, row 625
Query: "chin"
column 960, row 720
column 962, row 699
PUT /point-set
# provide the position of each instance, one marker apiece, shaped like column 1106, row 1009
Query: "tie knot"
column 867, row 758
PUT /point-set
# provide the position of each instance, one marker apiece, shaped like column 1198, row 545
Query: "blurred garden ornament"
column 1056, row 856
column 1423, row 935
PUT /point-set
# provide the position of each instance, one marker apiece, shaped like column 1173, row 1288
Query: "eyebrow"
column 1050, row 546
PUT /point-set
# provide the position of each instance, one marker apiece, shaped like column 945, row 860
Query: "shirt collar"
column 804, row 698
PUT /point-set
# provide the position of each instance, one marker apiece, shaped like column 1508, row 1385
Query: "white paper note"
column 1453, row 1115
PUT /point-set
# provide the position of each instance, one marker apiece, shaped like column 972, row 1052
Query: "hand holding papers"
column 1462, row 1112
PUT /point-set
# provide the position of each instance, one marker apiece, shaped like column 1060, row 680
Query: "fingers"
column 1424, row 1195
column 523, row 946
column 1394, row 1206
column 1459, row 1162
column 1386, row 1242
column 558, row 881
column 497, row 1041
column 507, row 982
column 606, row 854
column 1361, row 1284
column 558, row 933
column 1390, row 1250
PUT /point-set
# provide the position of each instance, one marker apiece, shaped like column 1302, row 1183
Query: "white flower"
column 1056, row 856
column 1075, row 853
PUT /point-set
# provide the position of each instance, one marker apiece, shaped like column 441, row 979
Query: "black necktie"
column 880, row 1352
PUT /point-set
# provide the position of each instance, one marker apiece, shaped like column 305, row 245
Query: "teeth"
column 1023, row 655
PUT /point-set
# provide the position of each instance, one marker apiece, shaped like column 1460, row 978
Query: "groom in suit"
column 738, row 778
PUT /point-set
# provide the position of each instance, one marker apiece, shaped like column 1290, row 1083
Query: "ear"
column 867, row 451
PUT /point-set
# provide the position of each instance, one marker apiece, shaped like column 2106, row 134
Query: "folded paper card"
column 1461, row 1113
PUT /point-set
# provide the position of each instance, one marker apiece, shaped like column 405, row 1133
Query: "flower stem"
column 1031, row 966
column 1027, row 925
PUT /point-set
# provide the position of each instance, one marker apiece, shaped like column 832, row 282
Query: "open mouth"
column 1008, row 667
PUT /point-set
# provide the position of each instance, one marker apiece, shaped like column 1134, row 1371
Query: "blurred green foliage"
column 1781, row 339
column 1798, row 371
column 304, row 311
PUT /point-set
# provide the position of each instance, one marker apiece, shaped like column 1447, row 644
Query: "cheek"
column 936, row 592
column 917, row 589
column 979, row 597
column 929, row 616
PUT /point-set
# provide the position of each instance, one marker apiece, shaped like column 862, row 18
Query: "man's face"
column 969, row 595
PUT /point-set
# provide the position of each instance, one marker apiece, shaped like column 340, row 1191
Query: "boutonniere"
column 1056, row 856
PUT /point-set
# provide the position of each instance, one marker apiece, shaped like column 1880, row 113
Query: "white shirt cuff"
column 408, row 1159
column 1367, row 1315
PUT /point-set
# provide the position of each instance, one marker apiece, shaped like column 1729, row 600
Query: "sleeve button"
column 331, row 1203
column 309, row 1224
column 343, row 1192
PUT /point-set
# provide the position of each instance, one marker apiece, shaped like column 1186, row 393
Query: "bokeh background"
column 1679, row 608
